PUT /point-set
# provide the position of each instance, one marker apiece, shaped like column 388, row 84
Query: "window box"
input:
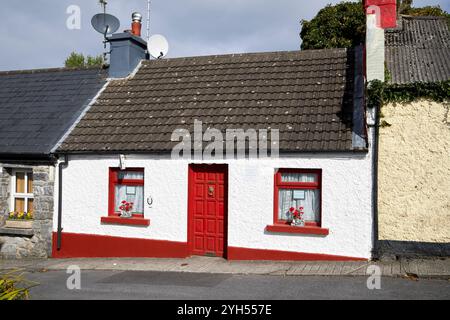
column 19, row 224
column 284, row 228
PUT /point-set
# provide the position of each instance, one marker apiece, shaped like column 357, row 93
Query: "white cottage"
column 304, row 145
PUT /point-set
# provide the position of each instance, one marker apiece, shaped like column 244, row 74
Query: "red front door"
column 207, row 209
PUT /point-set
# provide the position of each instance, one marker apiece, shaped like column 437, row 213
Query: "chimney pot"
column 136, row 25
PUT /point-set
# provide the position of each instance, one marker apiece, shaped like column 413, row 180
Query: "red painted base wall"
column 261, row 254
column 74, row 245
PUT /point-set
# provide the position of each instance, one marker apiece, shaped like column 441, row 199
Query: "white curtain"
column 133, row 194
column 298, row 177
column 131, row 175
column 310, row 200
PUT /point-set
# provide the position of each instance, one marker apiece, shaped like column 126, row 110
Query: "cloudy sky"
column 34, row 34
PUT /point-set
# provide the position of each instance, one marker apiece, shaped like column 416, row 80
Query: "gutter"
column 62, row 164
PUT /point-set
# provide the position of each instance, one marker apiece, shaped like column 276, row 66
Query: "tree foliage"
column 405, row 7
column 343, row 25
column 78, row 60
column 335, row 26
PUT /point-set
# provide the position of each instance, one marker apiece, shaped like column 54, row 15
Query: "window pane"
column 30, row 182
column 19, row 205
column 298, row 177
column 20, row 182
column 132, row 175
column 30, row 205
column 133, row 194
column 308, row 199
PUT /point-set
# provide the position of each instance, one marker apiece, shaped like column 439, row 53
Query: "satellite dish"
column 105, row 23
column 157, row 46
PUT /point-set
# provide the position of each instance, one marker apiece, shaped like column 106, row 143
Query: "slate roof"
column 307, row 95
column 38, row 106
column 419, row 50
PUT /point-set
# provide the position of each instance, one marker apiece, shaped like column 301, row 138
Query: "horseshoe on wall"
column 150, row 201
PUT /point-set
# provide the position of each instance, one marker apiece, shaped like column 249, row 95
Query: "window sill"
column 134, row 221
column 16, row 232
column 281, row 228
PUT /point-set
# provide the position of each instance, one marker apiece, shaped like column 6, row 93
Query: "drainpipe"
column 62, row 164
column 375, row 141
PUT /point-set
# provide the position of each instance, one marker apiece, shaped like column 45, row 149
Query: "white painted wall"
column 374, row 47
column 346, row 201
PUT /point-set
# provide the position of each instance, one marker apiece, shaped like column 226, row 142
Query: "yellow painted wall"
column 414, row 172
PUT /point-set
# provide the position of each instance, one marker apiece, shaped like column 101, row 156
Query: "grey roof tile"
column 419, row 50
column 38, row 106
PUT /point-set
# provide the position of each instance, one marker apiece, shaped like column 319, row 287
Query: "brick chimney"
column 380, row 15
column 127, row 49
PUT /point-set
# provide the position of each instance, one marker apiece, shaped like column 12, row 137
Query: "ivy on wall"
column 379, row 92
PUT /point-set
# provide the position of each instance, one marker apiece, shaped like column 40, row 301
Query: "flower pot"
column 298, row 222
column 19, row 224
column 124, row 214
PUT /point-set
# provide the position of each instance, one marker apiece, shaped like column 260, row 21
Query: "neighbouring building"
column 414, row 152
column 36, row 108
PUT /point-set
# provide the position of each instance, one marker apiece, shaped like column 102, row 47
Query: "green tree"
column 78, row 60
column 343, row 25
column 335, row 26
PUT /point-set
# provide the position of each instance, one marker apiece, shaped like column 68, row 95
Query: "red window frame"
column 279, row 184
column 113, row 181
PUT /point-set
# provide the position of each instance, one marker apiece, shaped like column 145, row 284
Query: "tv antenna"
column 105, row 24
column 157, row 46
column 148, row 20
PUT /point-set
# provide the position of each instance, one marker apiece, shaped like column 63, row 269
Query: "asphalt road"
column 100, row 285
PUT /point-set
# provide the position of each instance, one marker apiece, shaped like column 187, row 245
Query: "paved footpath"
column 427, row 268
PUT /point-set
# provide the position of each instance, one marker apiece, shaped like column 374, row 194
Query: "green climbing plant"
column 380, row 93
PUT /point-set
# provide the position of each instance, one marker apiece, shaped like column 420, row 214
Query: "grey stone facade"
column 40, row 243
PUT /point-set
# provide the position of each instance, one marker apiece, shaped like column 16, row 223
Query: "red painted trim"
column 387, row 10
column 284, row 228
column 133, row 221
column 295, row 185
column 113, row 180
column 235, row 253
column 74, row 245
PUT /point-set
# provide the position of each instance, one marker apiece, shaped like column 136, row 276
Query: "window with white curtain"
column 127, row 185
column 298, row 188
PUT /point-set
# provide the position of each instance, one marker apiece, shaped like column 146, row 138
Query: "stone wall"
column 5, row 180
column 39, row 244
column 414, row 171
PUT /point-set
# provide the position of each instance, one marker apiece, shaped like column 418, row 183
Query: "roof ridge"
column 43, row 70
column 249, row 54
column 404, row 16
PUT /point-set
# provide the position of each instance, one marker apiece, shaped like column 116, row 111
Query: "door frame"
column 218, row 168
